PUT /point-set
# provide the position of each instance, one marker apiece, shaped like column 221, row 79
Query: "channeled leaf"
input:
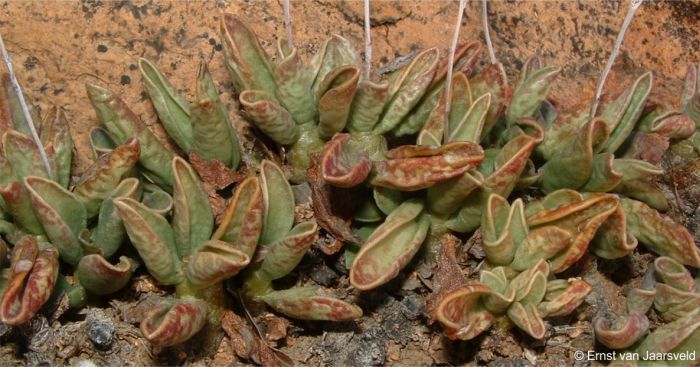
column 660, row 234
column 407, row 91
column 105, row 174
column 462, row 313
column 307, row 303
column 33, row 274
column 243, row 220
column 173, row 322
column 416, row 167
column 123, row 124
column 335, row 95
column 248, row 63
column 193, row 219
column 61, row 214
column 285, row 254
column 390, row 247
column 279, row 203
column 173, row 110
column 269, row 116
column 215, row 261
column 152, row 236
column 100, row 277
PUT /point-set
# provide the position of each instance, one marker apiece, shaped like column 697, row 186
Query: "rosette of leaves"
column 524, row 299
column 282, row 247
column 449, row 195
column 183, row 253
column 614, row 151
column 46, row 220
column 121, row 124
column 203, row 127
column 676, row 299
column 81, row 225
column 301, row 106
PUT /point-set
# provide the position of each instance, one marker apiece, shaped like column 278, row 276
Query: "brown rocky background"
column 58, row 46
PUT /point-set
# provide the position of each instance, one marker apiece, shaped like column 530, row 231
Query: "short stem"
column 450, row 62
column 634, row 5
column 288, row 23
column 487, row 33
column 368, row 42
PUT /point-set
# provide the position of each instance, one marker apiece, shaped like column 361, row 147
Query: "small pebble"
column 412, row 306
column 101, row 48
column 100, row 331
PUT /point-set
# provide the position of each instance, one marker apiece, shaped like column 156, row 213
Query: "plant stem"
column 368, row 43
column 634, row 5
column 288, row 23
column 451, row 60
column 487, row 33
column 25, row 109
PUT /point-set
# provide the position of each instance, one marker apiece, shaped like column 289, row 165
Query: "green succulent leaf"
column 16, row 200
column 286, row 253
column 215, row 261
column 294, row 84
column 212, row 129
column 173, row 110
column 335, row 96
column 416, row 167
column 307, row 303
column 335, row 52
column 660, row 234
column 33, row 275
column 123, row 124
column 100, row 277
column 105, row 174
column 23, row 154
column 462, row 313
column 390, row 247
column 367, row 105
column 61, row 214
column 109, row 234
column 153, row 238
column 243, row 220
column 279, row 203
column 247, row 61
column 408, row 89
column 101, row 142
column 269, row 116
column 622, row 114
column 532, row 89
column 173, row 322
column 193, row 219
column 56, row 134
column 344, row 163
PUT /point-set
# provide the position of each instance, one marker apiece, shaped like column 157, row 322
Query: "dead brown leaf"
column 332, row 206
column 448, row 276
column 275, row 327
column 215, row 173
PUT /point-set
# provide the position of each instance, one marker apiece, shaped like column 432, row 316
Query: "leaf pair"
column 203, row 127
column 283, row 248
column 526, row 298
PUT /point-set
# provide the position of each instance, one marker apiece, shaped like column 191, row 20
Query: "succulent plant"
column 46, row 221
column 203, row 127
column 181, row 253
column 676, row 298
column 302, row 106
column 188, row 254
column 525, row 299
column 282, row 248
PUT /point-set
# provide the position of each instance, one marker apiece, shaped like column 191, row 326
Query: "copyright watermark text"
column 589, row 355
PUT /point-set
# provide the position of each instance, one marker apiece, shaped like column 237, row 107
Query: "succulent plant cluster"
column 593, row 178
